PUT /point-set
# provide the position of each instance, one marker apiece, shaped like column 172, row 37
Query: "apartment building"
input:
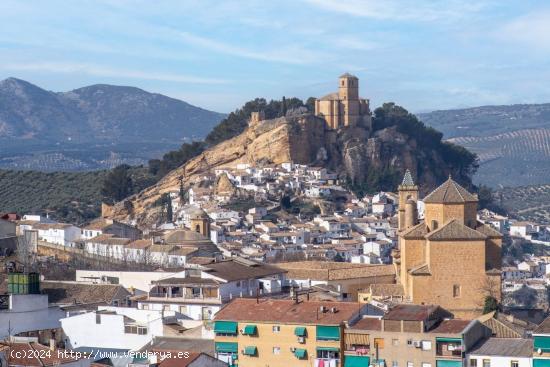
column 271, row 332
column 411, row 336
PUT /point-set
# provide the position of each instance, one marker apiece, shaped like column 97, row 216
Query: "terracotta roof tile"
column 330, row 270
column 454, row 230
column 453, row 326
column 287, row 311
column 450, row 192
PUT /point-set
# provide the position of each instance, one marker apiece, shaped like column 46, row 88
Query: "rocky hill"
column 92, row 127
column 512, row 142
column 355, row 153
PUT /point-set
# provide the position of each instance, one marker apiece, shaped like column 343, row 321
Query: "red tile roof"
column 287, row 311
column 454, row 326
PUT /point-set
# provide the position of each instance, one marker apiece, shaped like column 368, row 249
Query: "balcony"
column 449, row 348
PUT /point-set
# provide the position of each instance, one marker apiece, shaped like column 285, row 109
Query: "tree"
column 490, row 304
column 118, row 184
column 169, row 210
column 285, row 202
column 183, row 192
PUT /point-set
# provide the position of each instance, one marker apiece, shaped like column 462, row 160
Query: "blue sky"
column 422, row 54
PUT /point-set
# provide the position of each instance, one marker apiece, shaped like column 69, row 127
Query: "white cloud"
column 105, row 71
column 287, row 54
column 532, row 30
column 401, row 9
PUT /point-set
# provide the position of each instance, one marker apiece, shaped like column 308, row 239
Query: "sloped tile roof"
column 454, row 230
column 287, row 311
column 487, row 230
column 416, row 232
column 423, row 269
column 509, row 347
column 450, row 192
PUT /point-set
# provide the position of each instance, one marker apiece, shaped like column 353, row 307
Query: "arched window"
column 434, row 225
column 198, row 228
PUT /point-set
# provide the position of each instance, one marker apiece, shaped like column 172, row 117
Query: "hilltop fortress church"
column 448, row 258
column 344, row 108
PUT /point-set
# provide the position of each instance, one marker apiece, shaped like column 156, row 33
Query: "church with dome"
column 448, row 258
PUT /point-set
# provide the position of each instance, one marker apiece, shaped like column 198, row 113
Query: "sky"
column 421, row 54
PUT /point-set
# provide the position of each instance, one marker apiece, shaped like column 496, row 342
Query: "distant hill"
column 513, row 142
column 98, row 126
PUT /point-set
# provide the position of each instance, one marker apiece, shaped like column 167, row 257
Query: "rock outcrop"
column 352, row 152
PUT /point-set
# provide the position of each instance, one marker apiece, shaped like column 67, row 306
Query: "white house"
column 114, row 328
column 501, row 352
column 58, row 233
column 521, row 229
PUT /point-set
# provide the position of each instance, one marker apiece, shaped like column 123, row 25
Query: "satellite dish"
column 539, row 351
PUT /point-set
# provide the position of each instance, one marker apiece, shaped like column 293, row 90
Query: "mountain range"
column 512, row 141
column 93, row 127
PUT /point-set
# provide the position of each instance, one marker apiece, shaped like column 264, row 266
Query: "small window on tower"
column 434, row 225
column 456, row 291
column 342, row 83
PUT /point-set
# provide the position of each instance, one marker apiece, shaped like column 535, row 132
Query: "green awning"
column 225, row 327
column 300, row 353
column 541, row 362
column 250, row 330
column 329, row 349
column 300, row 331
column 227, row 347
column 328, row 332
column 356, row 361
column 542, row 342
column 250, row 351
column 448, row 363
column 449, row 340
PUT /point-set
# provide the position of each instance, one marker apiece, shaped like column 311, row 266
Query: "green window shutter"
column 226, row 347
column 328, row 332
column 250, row 330
column 300, row 353
column 541, row 362
column 542, row 342
column 356, row 361
column 449, row 340
column 250, row 350
column 300, row 331
column 448, row 363
column 225, row 327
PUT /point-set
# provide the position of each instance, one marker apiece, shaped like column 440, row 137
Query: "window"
column 514, row 364
column 410, row 342
column 328, row 354
column 473, row 362
column 410, row 364
column 486, row 363
column 434, row 225
column 98, row 318
column 395, row 342
column 395, row 364
column 276, row 350
column 425, row 364
column 456, row 291
column 145, row 307
column 276, row 329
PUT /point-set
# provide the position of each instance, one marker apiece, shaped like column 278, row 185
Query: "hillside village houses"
column 281, row 265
